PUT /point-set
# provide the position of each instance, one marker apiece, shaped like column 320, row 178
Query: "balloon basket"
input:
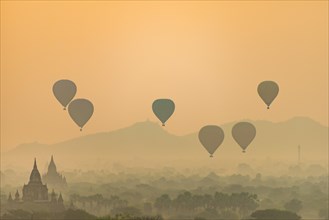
column 163, row 125
column 211, row 155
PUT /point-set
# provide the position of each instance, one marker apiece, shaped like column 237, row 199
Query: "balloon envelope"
column 268, row 91
column 163, row 109
column 211, row 137
column 243, row 133
column 81, row 111
column 64, row 91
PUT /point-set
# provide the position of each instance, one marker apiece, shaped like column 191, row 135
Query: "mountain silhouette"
column 147, row 140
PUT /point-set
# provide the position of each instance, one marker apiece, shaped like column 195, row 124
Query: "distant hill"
column 148, row 140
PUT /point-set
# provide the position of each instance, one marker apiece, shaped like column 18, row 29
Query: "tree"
column 184, row 202
column 128, row 211
column 244, row 202
column 78, row 214
column 197, row 201
column 163, row 203
column 294, row 205
column 274, row 214
column 208, row 201
column 221, row 200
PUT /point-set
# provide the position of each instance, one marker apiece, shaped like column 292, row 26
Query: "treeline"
column 186, row 204
column 98, row 204
column 70, row 214
column 219, row 205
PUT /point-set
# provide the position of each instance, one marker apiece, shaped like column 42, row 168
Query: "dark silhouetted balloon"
column 80, row 111
column 211, row 137
column 243, row 133
column 64, row 91
column 268, row 90
column 163, row 109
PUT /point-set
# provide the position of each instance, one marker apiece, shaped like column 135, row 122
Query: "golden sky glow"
column 207, row 56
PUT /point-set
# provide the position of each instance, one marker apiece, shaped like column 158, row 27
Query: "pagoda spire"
column 35, row 175
column 35, row 164
column 52, row 166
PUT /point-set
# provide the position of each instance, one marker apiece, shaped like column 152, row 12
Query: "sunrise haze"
column 208, row 57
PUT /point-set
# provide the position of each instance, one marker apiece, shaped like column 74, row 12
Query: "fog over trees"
column 169, row 193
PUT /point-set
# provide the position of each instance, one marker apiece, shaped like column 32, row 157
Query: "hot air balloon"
column 81, row 111
column 243, row 133
column 64, row 91
column 163, row 109
column 211, row 137
column 268, row 90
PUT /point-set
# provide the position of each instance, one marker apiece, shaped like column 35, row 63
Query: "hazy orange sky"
column 207, row 56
